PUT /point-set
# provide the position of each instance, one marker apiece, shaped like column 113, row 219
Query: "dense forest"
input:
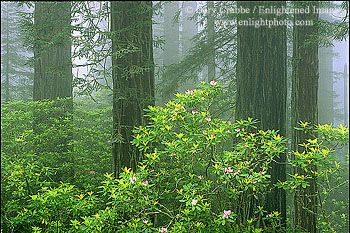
column 174, row 116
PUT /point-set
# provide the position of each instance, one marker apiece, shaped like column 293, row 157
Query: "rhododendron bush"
column 199, row 173
column 208, row 172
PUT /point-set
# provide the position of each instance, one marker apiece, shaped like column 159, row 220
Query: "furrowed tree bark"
column 53, row 77
column 305, row 108
column 133, row 77
column 52, row 58
column 261, row 86
column 52, row 51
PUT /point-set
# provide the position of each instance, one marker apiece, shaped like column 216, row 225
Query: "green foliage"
column 199, row 173
column 217, row 163
column 330, row 174
column 42, row 146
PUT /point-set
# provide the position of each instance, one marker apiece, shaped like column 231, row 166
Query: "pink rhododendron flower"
column 145, row 183
column 200, row 177
column 25, row 142
column 163, row 229
column 227, row 131
column 194, row 112
column 92, row 172
column 213, row 83
column 132, row 179
column 145, row 221
column 195, row 151
column 237, row 130
column 228, row 170
column 269, row 215
column 173, row 154
column 226, row 214
column 208, row 119
column 151, row 171
column 194, row 202
column 246, row 145
column 262, row 172
column 237, row 172
column 189, row 92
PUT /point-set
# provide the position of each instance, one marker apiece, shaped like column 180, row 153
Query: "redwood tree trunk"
column 52, row 51
column 53, row 76
column 261, row 86
column 304, row 108
column 133, row 76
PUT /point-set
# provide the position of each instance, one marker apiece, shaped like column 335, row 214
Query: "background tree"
column 171, row 47
column 211, row 39
column 133, row 76
column 261, row 85
column 188, row 30
column 346, row 97
column 325, row 90
column 194, row 63
column 16, row 74
column 304, row 106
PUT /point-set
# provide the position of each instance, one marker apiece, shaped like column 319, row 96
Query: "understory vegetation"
column 199, row 172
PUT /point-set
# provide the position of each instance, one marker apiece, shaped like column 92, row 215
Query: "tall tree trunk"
column 53, row 76
column 304, row 107
column 346, row 96
column 52, row 57
column 171, row 52
column 133, row 77
column 7, row 80
column 52, row 51
column 261, row 86
column 211, row 40
column 325, row 91
column 189, row 29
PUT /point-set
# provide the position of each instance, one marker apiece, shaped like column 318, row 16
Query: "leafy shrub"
column 42, row 153
column 330, row 176
column 199, row 174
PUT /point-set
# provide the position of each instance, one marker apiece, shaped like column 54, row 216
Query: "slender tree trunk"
column 7, row 80
column 133, row 77
column 189, row 29
column 304, row 108
column 325, row 90
column 211, row 40
column 346, row 97
column 171, row 52
column 261, row 86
